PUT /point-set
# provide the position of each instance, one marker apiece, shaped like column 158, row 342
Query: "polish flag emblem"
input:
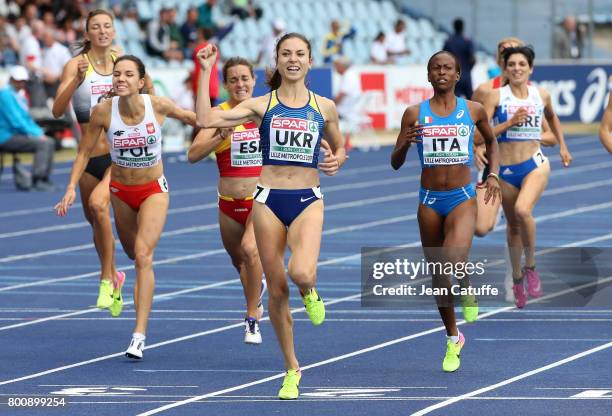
column 150, row 128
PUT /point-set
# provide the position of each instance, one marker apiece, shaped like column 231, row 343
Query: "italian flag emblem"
column 427, row 119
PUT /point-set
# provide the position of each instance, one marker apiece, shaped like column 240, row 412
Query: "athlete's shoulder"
column 101, row 113
column 325, row 104
column 482, row 91
column 411, row 114
column 544, row 94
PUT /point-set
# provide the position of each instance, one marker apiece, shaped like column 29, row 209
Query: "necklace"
column 98, row 61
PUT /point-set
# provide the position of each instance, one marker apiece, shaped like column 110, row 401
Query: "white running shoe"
column 252, row 335
column 135, row 349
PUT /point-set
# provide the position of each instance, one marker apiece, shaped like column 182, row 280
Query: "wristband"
column 493, row 175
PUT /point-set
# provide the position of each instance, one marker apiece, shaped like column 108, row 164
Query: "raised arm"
column 98, row 122
column 605, row 128
column 410, row 132
column 555, row 127
column 205, row 115
column 335, row 153
column 72, row 76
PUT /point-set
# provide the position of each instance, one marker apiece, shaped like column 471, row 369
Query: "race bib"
column 97, row 91
column 246, row 148
column 446, row 145
column 530, row 129
column 134, row 149
column 293, row 139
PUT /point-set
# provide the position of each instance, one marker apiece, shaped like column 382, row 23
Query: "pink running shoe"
column 119, row 280
column 534, row 285
column 520, row 294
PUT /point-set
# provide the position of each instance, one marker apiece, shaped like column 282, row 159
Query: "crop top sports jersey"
column 240, row 154
column 291, row 136
column 138, row 146
column 89, row 92
column 508, row 105
column 446, row 140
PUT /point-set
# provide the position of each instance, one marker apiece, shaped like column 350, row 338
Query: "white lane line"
column 180, row 231
column 90, row 310
column 113, row 385
column 546, row 339
column 340, row 187
column 359, row 352
column 201, row 207
column 344, row 320
column 204, row 371
column 522, row 376
column 84, row 224
column 124, row 268
column 347, row 258
column 176, row 293
column 343, row 172
column 227, row 327
column 159, row 344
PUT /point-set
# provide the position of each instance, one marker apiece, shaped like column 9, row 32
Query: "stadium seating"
column 311, row 18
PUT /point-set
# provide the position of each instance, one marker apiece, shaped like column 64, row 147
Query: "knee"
column 522, row 213
column 278, row 292
column 98, row 206
column 302, row 276
column 250, row 254
column 483, row 229
column 143, row 258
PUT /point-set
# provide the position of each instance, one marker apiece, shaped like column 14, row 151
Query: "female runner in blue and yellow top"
column 289, row 209
column 443, row 128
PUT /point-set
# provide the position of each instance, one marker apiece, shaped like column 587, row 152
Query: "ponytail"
column 273, row 79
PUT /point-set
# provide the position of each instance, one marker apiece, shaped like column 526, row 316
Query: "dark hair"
column 379, row 35
column 136, row 60
column 141, row 73
column 457, row 63
column 458, row 25
column 84, row 45
column 274, row 79
column 526, row 51
column 235, row 61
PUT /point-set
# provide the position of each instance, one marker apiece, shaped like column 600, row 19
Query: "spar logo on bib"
column 246, row 148
column 151, row 139
column 446, row 145
column 293, row 139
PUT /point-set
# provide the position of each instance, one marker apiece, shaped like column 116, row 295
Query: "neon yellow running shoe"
column 469, row 307
column 289, row 390
column 105, row 298
column 451, row 359
column 117, row 307
column 314, row 307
